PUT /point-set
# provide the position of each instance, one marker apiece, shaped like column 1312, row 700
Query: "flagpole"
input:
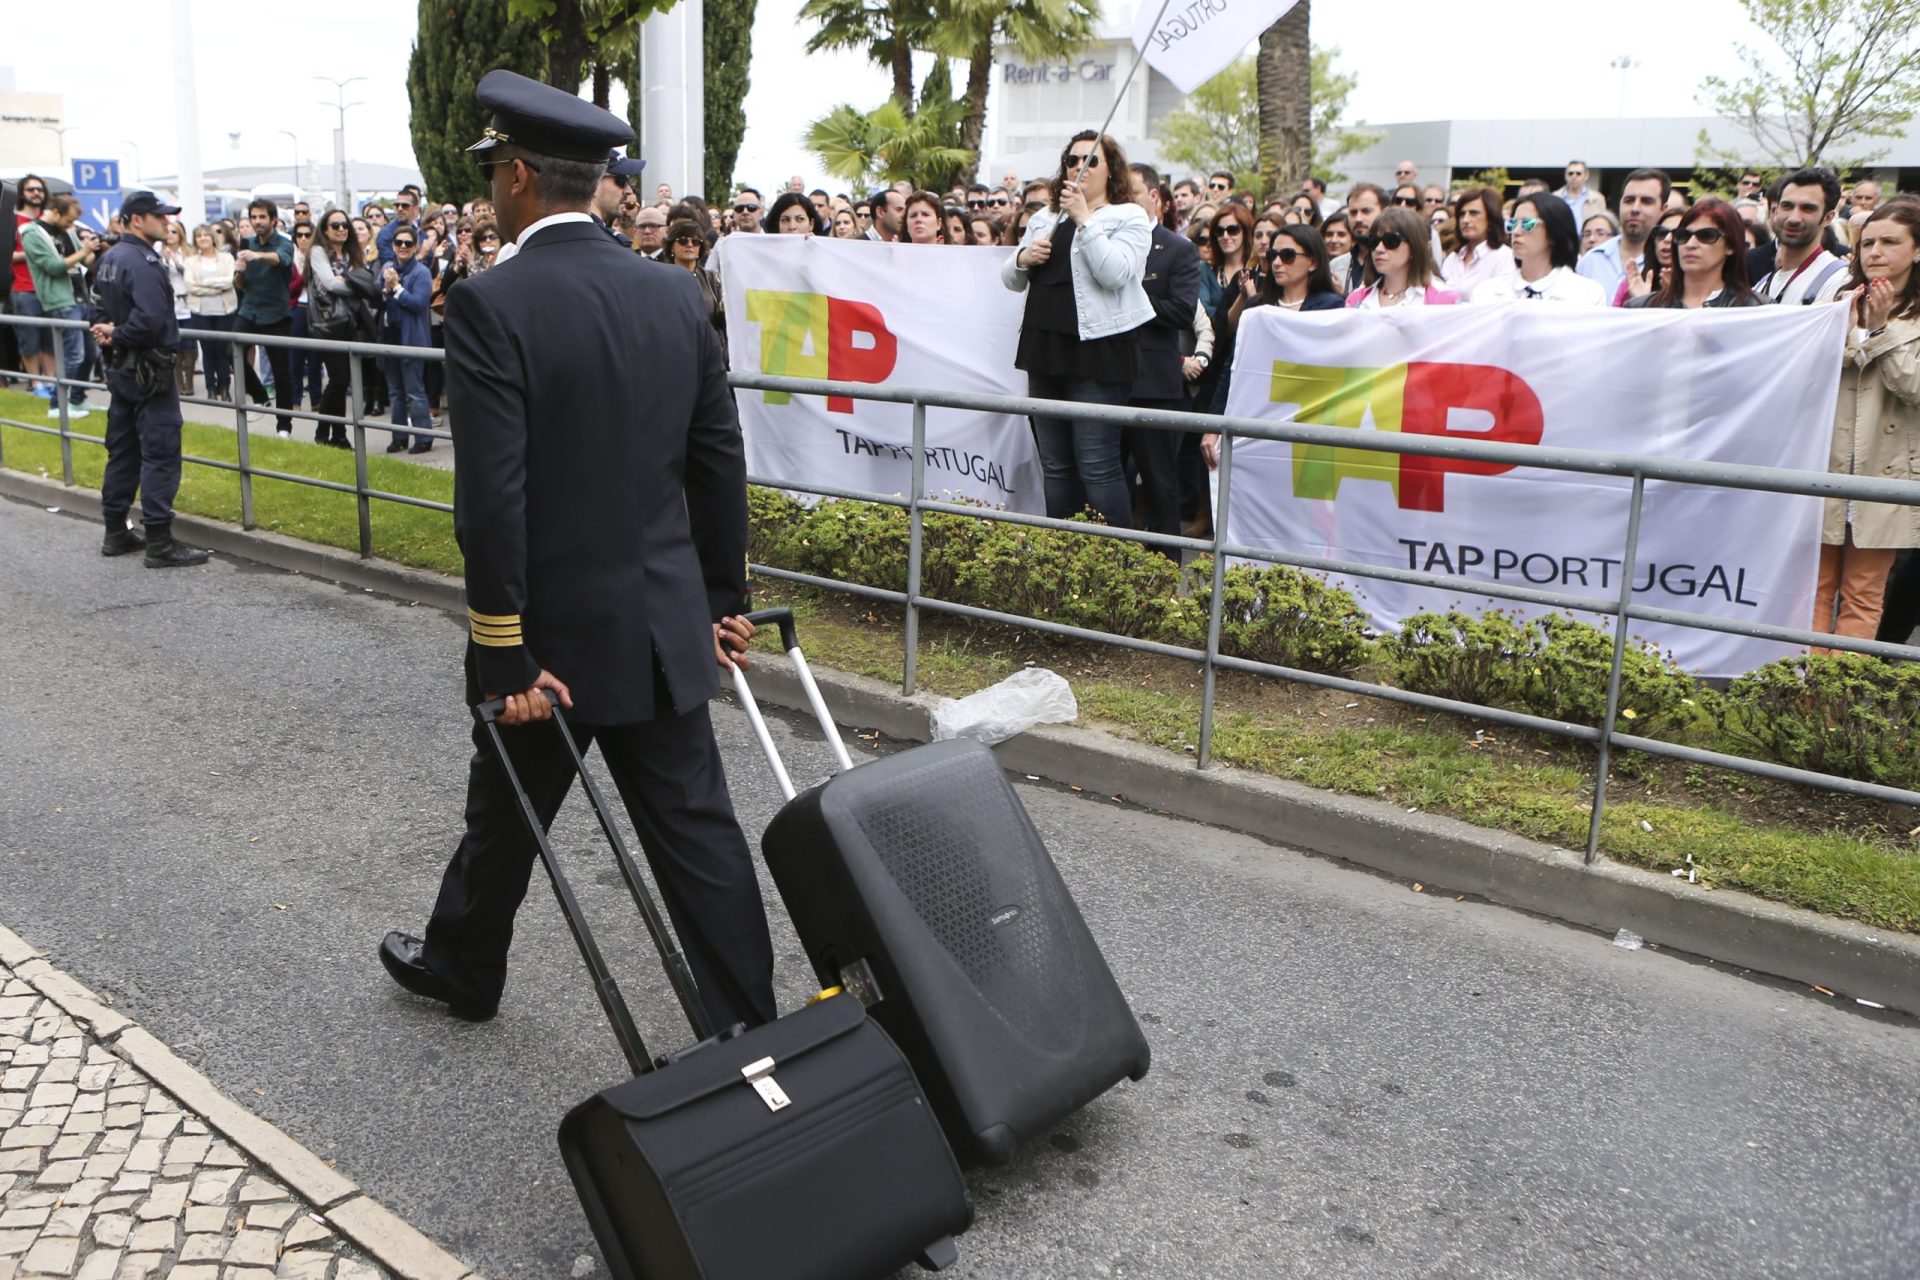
column 1139, row 54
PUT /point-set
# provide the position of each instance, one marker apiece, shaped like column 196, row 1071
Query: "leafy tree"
column 1219, row 127
column 1498, row 178
column 456, row 44
column 1843, row 73
column 728, row 32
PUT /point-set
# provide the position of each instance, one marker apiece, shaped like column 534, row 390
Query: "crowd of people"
column 1134, row 287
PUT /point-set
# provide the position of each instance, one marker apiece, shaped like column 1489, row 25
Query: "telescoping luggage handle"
column 790, row 641
column 678, row 973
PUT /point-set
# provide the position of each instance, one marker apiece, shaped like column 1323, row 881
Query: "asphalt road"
column 218, row 788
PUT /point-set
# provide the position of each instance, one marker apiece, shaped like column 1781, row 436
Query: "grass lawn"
column 1844, row 857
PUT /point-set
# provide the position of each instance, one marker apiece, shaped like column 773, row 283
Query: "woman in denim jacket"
column 1080, row 264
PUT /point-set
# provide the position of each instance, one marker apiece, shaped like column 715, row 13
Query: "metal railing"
column 1620, row 606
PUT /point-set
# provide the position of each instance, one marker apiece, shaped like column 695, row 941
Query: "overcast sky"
column 1416, row 61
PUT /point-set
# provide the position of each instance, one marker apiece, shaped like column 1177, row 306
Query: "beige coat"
column 1876, row 432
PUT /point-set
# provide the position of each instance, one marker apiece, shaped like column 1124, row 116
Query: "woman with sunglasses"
column 1304, row 211
column 1080, row 264
column 1658, row 264
column 330, row 264
column 1400, row 271
column 1296, row 279
column 1710, row 262
column 1546, row 248
column 687, row 249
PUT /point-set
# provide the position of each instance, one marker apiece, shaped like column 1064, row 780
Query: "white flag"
column 1191, row 41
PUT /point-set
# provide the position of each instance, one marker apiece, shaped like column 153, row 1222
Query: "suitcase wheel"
column 939, row 1255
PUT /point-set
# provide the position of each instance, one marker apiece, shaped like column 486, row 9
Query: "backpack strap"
column 1819, row 281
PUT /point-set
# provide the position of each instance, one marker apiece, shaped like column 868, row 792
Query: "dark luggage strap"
column 663, row 940
column 790, row 641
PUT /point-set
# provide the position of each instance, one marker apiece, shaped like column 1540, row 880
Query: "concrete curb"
column 392, row 1242
column 1445, row 853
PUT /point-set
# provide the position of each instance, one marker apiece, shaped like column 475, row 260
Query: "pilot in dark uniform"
column 137, row 342
column 613, row 188
column 600, row 500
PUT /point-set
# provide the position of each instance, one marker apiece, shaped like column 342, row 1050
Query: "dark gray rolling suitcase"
column 800, row 1150
column 918, row 882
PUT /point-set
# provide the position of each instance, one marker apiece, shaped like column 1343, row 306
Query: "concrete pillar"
column 192, row 196
column 673, row 107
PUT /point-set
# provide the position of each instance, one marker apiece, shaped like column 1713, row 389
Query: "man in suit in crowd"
column 602, row 510
column 1172, row 282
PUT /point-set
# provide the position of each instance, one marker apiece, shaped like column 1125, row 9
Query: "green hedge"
column 1850, row 715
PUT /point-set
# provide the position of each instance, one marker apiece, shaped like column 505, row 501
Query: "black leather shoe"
column 398, row 446
column 422, row 448
column 402, row 954
column 164, row 553
column 119, row 542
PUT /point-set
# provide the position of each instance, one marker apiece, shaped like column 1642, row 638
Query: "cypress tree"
column 728, row 38
column 457, row 42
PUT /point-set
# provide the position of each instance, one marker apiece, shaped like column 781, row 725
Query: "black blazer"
column 600, row 493
column 1172, row 282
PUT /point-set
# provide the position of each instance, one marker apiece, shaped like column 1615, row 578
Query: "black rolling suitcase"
column 800, row 1149
column 919, row 883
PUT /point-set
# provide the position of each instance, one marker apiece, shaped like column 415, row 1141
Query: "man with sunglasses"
column 406, row 213
column 600, row 501
column 408, row 286
column 37, row 345
column 1219, row 185
column 616, row 184
column 746, row 211
column 1581, row 200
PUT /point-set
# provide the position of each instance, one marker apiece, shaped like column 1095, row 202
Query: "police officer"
column 615, row 183
column 600, row 500
column 138, row 340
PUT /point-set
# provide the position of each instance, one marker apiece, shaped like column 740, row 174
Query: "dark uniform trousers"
column 143, row 451
column 668, row 772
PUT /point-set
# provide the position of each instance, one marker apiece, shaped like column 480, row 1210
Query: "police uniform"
column 143, row 417
column 600, row 502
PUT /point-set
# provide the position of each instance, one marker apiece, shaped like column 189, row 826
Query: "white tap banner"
column 927, row 316
column 1755, row 385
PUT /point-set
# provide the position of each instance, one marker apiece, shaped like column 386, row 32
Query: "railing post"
column 63, row 392
column 355, row 378
column 1216, row 604
column 1628, row 568
column 916, row 520
column 239, row 372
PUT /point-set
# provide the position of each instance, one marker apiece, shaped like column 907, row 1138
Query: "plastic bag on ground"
column 1026, row 698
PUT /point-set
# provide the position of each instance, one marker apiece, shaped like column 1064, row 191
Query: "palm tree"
column 870, row 148
column 1286, row 100
column 968, row 30
column 884, row 29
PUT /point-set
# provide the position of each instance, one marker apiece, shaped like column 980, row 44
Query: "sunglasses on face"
column 1216, row 186
column 303, row 235
column 403, row 244
column 1075, row 159
column 1522, row 224
column 1203, row 241
column 677, row 240
column 1705, row 235
column 336, row 226
column 746, row 208
column 1389, row 241
column 1035, row 206
column 1407, row 202
column 404, row 207
column 999, row 202
column 1286, row 257
column 976, row 204
column 1659, row 233
column 1227, row 231
column 33, row 191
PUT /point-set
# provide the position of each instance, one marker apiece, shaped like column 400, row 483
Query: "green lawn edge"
column 1436, row 766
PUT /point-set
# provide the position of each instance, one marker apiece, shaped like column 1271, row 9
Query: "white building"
column 30, row 125
column 1034, row 107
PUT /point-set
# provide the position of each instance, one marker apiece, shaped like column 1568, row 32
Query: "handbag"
column 329, row 314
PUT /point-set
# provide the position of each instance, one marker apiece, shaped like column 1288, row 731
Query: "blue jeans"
column 304, row 367
column 1080, row 461
column 216, row 357
column 31, row 337
column 407, row 398
column 73, row 348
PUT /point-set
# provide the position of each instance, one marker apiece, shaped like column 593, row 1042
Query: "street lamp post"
column 1624, row 64
column 62, row 130
column 342, row 196
column 135, row 148
column 296, row 158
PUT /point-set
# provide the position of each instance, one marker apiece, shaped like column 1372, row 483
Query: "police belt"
column 152, row 367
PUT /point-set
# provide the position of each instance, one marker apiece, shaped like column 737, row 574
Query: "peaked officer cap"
column 546, row 120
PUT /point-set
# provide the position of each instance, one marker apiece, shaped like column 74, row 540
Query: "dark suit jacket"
column 1172, row 282
column 600, row 492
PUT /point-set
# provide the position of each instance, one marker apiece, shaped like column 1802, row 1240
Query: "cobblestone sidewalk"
column 107, row 1175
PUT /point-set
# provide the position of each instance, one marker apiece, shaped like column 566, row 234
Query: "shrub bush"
column 1552, row 666
column 1280, row 615
column 1843, row 713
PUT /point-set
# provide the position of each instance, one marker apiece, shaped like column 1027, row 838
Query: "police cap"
column 145, row 202
column 620, row 166
column 545, row 120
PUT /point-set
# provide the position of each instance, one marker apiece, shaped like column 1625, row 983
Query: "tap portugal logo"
column 1453, row 401
column 809, row 335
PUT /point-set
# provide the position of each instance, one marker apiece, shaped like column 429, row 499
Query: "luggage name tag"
column 760, row 1076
